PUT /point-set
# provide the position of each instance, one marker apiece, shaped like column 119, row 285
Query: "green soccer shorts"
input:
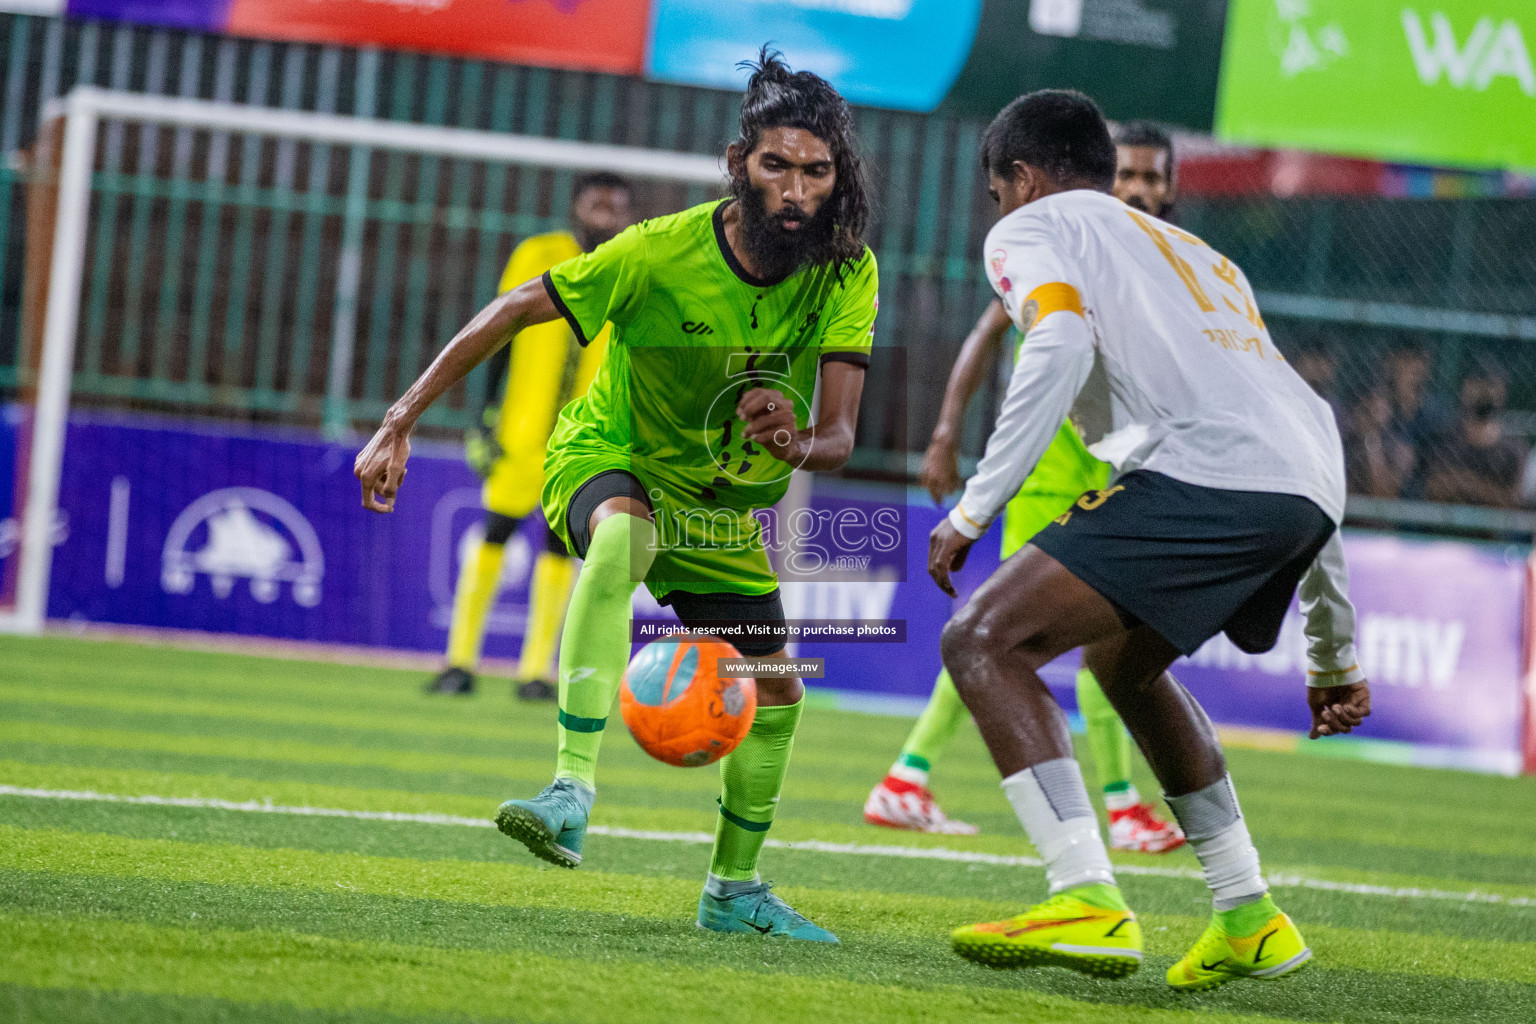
column 1064, row 473
column 702, row 547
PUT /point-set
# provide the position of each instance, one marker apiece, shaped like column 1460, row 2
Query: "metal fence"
column 1416, row 318
column 193, row 234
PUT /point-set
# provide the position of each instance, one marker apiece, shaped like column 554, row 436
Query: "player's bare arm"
column 380, row 467
column 940, row 473
column 770, row 419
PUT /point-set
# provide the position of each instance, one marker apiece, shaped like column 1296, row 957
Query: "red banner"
column 595, row 35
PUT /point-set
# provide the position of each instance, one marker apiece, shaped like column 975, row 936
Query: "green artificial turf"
column 121, row 911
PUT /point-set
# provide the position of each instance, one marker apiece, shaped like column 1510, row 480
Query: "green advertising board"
column 1443, row 82
column 1155, row 59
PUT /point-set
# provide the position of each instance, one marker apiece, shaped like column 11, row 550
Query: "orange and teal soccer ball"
column 677, row 705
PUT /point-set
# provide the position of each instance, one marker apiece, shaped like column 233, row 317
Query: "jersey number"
column 1225, row 270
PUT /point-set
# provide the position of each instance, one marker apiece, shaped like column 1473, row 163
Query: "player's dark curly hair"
column 1144, row 133
column 1060, row 131
column 780, row 98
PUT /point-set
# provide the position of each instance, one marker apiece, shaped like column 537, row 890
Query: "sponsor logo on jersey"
column 996, row 261
column 697, row 327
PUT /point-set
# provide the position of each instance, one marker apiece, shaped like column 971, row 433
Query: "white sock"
column 906, row 773
column 1052, row 804
column 722, row 887
column 1122, row 799
column 1213, row 824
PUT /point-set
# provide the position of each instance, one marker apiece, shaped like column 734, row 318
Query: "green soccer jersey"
column 692, row 332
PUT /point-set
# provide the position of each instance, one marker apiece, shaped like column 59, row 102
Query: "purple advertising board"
column 1439, row 633
column 166, row 523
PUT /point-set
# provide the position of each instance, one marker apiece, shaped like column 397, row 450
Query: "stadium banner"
column 587, row 35
column 37, row 8
column 177, row 524
column 1138, row 58
column 1443, row 82
column 1153, row 59
column 887, row 53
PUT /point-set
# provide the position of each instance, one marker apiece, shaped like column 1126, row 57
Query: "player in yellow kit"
column 543, row 368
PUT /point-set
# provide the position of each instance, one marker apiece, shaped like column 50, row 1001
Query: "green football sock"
column 751, row 777
column 594, row 647
column 934, row 729
column 1108, row 741
column 1243, row 921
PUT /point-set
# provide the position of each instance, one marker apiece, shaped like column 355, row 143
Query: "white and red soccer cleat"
column 1139, row 828
column 897, row 803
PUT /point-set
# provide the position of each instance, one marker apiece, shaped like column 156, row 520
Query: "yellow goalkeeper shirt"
column 545, row 369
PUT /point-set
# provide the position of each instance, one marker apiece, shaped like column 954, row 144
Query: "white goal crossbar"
column 86, row 107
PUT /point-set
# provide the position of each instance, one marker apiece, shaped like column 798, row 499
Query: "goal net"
column 205, row 275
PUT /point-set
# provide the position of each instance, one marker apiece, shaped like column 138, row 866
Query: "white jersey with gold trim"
column 1195, row 387
column 1128, row 315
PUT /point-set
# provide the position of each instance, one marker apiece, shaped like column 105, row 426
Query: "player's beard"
column 1138, row 203
column 589, row 238
column 774, row 250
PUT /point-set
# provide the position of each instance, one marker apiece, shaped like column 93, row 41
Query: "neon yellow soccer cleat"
column 1274, row 950
column 1064, row 931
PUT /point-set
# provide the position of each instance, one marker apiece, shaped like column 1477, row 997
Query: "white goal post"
column 85, row 109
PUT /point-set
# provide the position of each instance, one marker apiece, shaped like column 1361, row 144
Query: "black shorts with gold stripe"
column 1191, row 561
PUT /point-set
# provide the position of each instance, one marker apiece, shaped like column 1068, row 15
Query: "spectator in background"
column 1528, row 480
column 1419, row 420
column 1477, row 464
column 1319, row 368
column 1377, row 461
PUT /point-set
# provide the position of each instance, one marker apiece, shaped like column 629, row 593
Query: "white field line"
column 1280, row 880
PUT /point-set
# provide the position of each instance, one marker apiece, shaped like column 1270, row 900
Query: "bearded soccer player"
column 543, row 367
column 653, row 475
column 1144, row 180
column 1230, row 495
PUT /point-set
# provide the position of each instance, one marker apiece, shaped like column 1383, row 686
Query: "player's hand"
column 770, row 419
column 1338, row 709
column 380, row 467
column 947, row 550
column 940, row 474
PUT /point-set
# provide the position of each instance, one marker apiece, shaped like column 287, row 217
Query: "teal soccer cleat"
column 553, row 824
column 759, row 911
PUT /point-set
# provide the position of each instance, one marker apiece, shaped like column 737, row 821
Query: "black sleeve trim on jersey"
column 859, row 359
column 565, row 311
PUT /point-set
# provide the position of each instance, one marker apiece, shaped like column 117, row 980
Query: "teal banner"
column 885, row 53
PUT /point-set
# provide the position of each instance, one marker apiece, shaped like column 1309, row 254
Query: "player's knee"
column 774, row 691
column 620, row 555
column 980, row 635
column 966, row 642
